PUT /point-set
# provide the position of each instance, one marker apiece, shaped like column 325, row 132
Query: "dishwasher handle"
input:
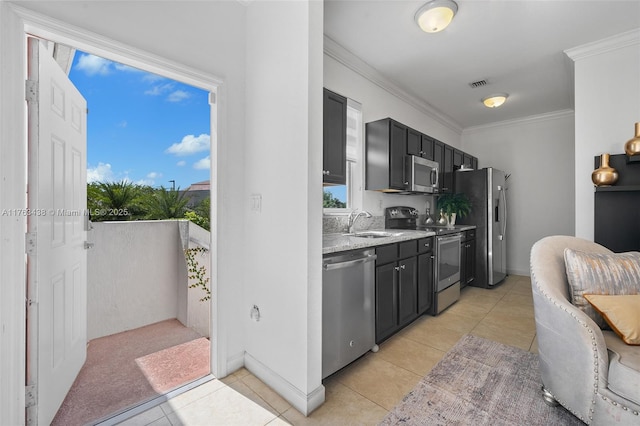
column 340, row 265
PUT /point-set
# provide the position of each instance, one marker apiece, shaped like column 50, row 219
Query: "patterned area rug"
column 480, row 382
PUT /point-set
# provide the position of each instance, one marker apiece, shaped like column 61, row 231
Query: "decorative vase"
column 632, row 147
column 604, row 175
column 442, row 220
column 451, row 221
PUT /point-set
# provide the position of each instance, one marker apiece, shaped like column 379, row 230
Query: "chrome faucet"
column 351, row 221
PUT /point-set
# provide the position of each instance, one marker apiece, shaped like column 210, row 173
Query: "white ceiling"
column 516, row 46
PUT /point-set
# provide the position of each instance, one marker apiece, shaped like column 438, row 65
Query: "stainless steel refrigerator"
column 486, row 188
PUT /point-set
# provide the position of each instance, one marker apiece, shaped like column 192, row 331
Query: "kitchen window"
column 339, row 199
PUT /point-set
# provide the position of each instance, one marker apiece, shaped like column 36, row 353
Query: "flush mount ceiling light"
column 436, row 15
column 494, row 101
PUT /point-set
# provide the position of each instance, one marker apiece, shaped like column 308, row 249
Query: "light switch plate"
column 256, row 203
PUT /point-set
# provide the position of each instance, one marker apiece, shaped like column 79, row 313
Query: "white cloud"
column 101, row 173
column 159, row 89
column 122, row 124
column 181, row 163
column 154, row 175
column 190, row 144
column 127, row 68
column 94, row 65
column 178, row 96
column 145, row 182
column 152, row 78
column 202, row 164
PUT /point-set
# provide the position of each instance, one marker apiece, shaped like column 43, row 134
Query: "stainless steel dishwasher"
column 348, row 317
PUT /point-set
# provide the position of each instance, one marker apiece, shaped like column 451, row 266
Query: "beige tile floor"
column 365, row 391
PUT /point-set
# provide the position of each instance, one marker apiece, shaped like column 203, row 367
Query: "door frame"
column 42, row 26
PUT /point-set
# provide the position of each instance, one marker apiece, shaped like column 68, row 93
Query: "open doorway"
column 208, row 243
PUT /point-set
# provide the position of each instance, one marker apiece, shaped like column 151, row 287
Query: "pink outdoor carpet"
column 128, row 368
column 175, row 366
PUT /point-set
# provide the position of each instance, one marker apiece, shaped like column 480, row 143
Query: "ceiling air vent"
column 478, row 83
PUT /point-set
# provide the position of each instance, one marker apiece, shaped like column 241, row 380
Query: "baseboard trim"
column 305, row 403
column 235, row 362
column 524, row 273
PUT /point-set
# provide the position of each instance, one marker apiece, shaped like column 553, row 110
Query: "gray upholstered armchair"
column 590, row 371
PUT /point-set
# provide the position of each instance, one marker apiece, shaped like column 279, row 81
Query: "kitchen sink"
column 373, row 234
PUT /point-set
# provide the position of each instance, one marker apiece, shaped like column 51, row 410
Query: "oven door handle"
column 449, row 238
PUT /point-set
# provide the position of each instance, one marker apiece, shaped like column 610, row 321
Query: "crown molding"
column 605, row 45
column 532, row 119
column 353, row 62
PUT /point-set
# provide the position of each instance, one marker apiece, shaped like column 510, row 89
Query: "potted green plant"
column 454, row 205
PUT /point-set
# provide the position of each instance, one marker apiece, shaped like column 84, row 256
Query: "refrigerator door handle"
column 504, row 213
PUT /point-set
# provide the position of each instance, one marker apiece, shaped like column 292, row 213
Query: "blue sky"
column 142, row 127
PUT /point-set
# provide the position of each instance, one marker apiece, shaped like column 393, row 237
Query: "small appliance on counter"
column 448, row 254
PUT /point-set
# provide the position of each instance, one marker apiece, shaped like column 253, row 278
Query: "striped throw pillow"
column 596, row 273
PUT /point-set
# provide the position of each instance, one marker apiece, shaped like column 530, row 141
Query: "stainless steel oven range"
column 448, row 254
column 447, row 271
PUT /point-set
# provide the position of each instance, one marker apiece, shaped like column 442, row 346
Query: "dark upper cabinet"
column 427, row 147
column 447, row 169
column 438, row 156
column 334, row 158
column 414, row 142
column 397, row 150
column 419, row 144
column 388, row 143
column 469, row 161
column 458, row 159
column 386, row 149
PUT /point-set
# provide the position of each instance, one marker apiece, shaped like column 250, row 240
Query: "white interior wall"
column 538, row 153
column 283, row 235
column 378, row 103
column 607, row 104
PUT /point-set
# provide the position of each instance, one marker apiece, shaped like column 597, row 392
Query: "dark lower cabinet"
column 425, row 282
column 404, row 284
column 407, row 290
column 617, row 207
column 386, row 301
column 425, row 274
column 468, row 261
column 617, row 220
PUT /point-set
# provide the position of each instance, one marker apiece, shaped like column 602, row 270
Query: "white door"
column 56, row 235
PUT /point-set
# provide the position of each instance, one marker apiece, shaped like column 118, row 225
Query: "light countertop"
column 333, row 243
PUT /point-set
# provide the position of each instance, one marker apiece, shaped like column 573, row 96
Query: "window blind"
column 354, row 123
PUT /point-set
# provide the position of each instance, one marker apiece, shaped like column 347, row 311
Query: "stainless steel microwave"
column 422, row 174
